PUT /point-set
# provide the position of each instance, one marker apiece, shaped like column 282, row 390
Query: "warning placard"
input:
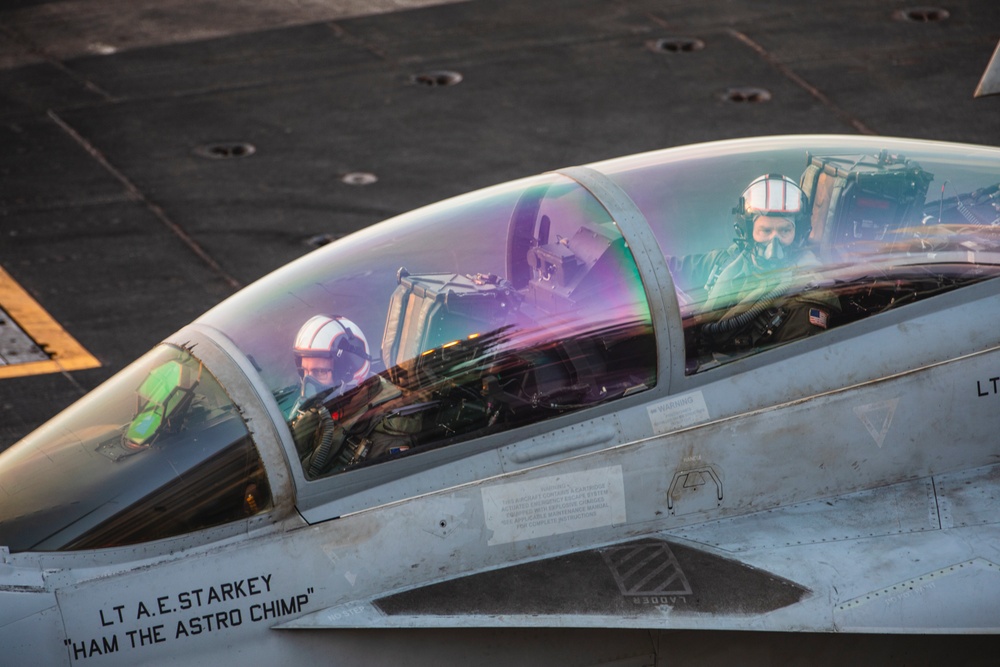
column 554, row 505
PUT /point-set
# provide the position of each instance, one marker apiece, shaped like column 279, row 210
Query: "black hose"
column 733, row 322
column 322, row 455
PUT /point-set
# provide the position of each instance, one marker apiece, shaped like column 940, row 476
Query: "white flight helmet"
column 772, row 194
column 340, row 340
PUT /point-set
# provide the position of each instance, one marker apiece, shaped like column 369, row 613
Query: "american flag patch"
column 818, row 317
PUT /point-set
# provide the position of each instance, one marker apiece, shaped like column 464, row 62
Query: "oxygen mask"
column 311, row 392
column 771, row 254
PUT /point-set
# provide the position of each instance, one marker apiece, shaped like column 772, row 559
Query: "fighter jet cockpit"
column 770, row 247
column 507, row 308
column 464, row 325
column 499, row 310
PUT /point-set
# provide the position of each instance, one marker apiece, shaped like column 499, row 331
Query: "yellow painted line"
column 66, row 354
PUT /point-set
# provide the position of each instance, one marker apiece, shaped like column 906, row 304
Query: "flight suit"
column 742, row 306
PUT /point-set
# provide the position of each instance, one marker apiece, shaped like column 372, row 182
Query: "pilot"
column 757, row 290
column 332, row 358
column 337, row 393
column 331, row 353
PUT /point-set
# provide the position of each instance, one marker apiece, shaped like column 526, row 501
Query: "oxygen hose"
column 322, row 455
column 732, row 322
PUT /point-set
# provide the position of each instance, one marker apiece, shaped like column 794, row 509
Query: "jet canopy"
column 497, row 310
column 489, row 312
column 455, row 327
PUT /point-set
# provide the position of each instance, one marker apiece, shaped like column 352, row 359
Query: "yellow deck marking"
column 66, row 354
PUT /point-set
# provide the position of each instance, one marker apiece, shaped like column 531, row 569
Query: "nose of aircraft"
column 31, row 630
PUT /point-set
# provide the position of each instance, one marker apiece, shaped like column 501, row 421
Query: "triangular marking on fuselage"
column 877, row 418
